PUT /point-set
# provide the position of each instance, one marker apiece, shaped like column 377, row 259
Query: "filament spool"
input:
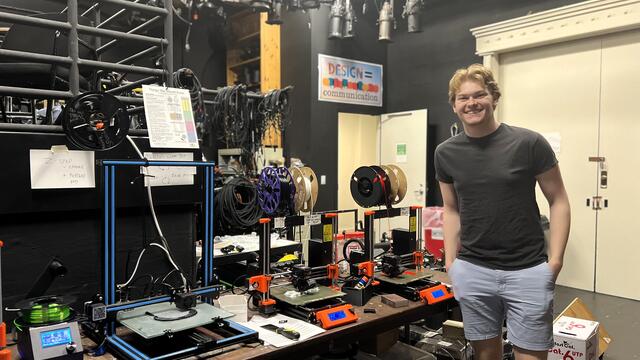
column 306, row 184
column 95, row 121
column 393, row 180
column 44, row 310
column 370, row 186
column 312, row 184
column 402, row 183
column 378, row 185
column 276, row 191
column 301, row 190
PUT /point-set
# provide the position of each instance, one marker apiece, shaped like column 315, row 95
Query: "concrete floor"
column 620, row 317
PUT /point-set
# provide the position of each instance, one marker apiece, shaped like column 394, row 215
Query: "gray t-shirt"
column 494, row 178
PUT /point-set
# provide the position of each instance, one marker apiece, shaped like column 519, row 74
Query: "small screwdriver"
column 288, row 333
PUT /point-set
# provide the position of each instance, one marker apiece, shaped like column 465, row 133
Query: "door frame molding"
column 577, row 21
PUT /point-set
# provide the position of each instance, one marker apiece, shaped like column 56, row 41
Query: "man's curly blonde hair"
column 474, row 72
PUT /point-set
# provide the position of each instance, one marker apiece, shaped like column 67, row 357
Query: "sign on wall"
column 169, row 117
column 349, row 81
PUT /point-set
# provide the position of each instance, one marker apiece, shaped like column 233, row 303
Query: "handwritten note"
column 313, row 219
column 168, row 175
column 62, row 169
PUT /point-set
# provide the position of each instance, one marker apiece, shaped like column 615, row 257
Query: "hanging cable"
column 276, row 108
column 165, row 245
column 135, row 269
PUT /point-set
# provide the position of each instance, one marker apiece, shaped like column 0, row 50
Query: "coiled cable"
column 236, row 206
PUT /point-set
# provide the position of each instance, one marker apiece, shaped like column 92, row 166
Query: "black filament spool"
column 370, row 186
column 95, row 121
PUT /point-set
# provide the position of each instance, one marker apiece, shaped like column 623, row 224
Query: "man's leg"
column 490, row 349
column 528, row 301
column 476, row 290
column 522, row 354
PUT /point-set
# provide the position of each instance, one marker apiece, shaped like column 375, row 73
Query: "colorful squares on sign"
column 186, row 105
column 346, row 84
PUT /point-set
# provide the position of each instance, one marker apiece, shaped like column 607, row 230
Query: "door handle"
column 602, row 169
column 604, row 175
column 596, row 203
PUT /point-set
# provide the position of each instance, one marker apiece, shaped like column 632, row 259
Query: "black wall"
column 313, row 135
column 417, row 68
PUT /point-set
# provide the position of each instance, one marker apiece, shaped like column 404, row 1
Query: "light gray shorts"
column 524, row 297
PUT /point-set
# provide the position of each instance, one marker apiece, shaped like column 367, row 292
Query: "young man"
column 494, row 244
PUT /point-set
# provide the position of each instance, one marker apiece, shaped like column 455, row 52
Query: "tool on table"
column 288, row 333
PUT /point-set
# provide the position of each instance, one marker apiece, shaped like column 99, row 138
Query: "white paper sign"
column 62, row 169
column 169, row 117
column 401, row 153
column 315, row 219
column 278, row 223
column 555, row 140
column 168, row 175
column 305, row 329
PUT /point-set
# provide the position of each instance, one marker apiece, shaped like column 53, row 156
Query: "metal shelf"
column 245, row 63
column 248, row 37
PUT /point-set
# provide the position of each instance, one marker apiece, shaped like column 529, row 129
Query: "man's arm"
column 451, row 223
column 553, row 188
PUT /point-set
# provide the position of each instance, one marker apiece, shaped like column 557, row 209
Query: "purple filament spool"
column 276, row 190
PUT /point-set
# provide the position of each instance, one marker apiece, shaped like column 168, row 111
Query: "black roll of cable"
column 370, row 186
column 236, row 207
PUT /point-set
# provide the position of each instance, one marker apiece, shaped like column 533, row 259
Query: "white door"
column 403, row 142
column 400, row 139
column 357, row 146
column 618, row 225
column 554, row 90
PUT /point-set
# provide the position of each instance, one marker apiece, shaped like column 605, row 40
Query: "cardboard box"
column 578, row 309
column 574, row 339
